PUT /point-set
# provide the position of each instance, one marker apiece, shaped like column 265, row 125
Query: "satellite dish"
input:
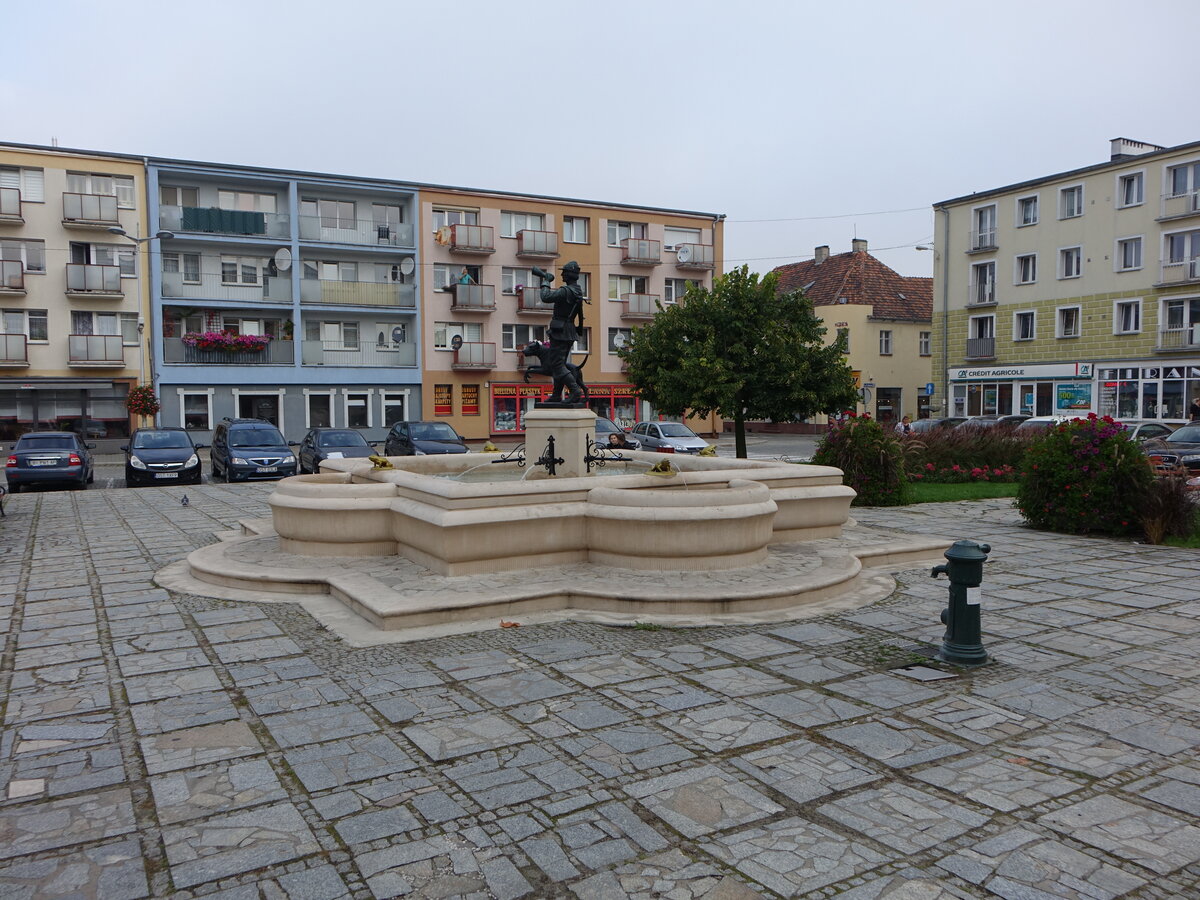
column 619, row 340
column 407, row 266
column 283, row 259
column 456, row 342
column 683, row 253
column 398, row 334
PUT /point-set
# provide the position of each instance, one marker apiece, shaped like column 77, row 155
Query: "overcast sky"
column 824, row 117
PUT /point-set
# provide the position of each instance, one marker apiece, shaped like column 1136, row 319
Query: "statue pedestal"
column 570, row 428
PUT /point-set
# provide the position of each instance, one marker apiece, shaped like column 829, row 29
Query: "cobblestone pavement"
column 162, row 745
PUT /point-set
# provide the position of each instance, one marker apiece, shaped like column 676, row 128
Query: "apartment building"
column 283, row 295
column 481, row 301
column 1074, row 293
column 885, row 319
column 73, row 290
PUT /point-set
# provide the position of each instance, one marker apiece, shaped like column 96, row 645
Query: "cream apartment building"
column 1073, row 293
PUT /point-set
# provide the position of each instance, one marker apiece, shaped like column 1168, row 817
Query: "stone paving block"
column 241, row 631
column 193, row 747
column 48, row 637
column 28, row 829
column 1036, row 698
column 425, row 704
column 316, row 883
column 558, row 650
column 437, row 806
column 195, row 793
column 288, row 696
column 625, row 750
column 803, row 770
column 1159, row 842
column 901, row 817
column 724, row 727
column 113, row 871
column 1003, row 784
column 1142, row 728
column 57, row 655
column 579, row 712
column 893, row 742
column 702, row 800
column 51, row 702
column 742, row 681
column 1078, row 750
column 750, row 646
column 670, row 874
column 651, row 696
column 1025, row 658
column 884, row 691
column 53, row 771
column 162, row 661
column 154, row 642
column 237, row 613
column 316, row 725
column 810, row 669
column 465, row 666
column 595, row 671
column 57, row 735
column 907, row 885
column 376, row 824
column 682, row 658
column 815, row 634
column 338, row 763
column 807, row 708
column 515, row 688
column 166, row 685
column 186, row 711
column 973, row 718
column 503, row 879
column 263, row 648
column 504, row 778
column 390, row 679
column 448, row 738
column 1177, row 787
column 123, row 628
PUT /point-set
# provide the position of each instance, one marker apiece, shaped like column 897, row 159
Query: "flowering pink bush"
column 224, row 340
column 962, row 474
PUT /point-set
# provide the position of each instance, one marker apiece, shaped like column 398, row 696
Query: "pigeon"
column 184, row 501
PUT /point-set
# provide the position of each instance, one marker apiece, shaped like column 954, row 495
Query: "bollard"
column 962, row 643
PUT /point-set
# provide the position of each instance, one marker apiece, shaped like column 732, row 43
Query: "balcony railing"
column 1186, row 337
column 694, row 256
column 473, row 297
column 639, row 306
column 1180, row 271
column 12, row 276
column 474, row 355
column 529, row 300
column 94, row 281
column 472, row 238
column 1177, row 205
column 539, row 244
column 13, row 351
column 981, row 348
column 275, row 353
column 981, row 240
column 981, row 293
column 91, row 210
column 10, row 206
column 327, row 229
column 211, row 220
column 95, row 350
column 641, row 252
column 268, row 289
column 358, row 353
column 358, row 293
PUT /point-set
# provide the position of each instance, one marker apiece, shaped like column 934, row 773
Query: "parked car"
column 1140, row 430
column 606, row 426
column 422, row 438
column 992, row 422
column 1179, row 448
column 921, row 426
column 161, row 456
column 49, row 457
column 1036, row 425
column 331, row 443
column 250, row 448
column 668, row 437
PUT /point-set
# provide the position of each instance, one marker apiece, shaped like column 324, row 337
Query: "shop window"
column 394, row 408
column 195, row 411
column 358, row 409
column 320, row 411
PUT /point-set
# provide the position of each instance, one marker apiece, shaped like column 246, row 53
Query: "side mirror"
column 199, row 446
column 293, row 443
column 125, row 447
column 90, row 446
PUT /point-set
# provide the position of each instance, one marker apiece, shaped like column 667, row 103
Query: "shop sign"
column 470, row 399
column 443, row 399
column 1074, row 396
column 1001, row 373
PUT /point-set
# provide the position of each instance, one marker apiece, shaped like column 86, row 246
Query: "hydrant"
column 962, row 644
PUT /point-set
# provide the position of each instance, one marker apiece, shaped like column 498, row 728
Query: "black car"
column 331, row 443
column 49, row 457
column 250, row 448
column 421, row 438
column 161, row 456
column 1179, row 448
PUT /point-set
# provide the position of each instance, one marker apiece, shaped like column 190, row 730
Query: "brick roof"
column 861, row 279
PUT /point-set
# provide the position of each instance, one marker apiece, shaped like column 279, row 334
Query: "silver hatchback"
column 668, row 437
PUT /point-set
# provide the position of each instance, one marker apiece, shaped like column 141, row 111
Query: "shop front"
column 1052, row 389
column 1135, row 390
column 510, row 403
column 94, row 409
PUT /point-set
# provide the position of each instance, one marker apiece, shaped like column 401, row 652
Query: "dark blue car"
column 49, row 458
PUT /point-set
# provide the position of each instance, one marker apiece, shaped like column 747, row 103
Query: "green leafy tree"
column 742, row 349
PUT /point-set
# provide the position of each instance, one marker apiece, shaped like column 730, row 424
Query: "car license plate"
column 43, row 462
column 264, row 469
column 166, row 474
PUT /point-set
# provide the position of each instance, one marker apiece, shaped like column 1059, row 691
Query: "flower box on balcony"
column 226, row 342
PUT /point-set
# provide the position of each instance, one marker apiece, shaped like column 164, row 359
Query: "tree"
column 743, row 350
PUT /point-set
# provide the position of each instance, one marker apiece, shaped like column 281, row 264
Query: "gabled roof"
column 860, row 278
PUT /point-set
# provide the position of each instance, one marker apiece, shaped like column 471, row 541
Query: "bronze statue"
column 565, row 325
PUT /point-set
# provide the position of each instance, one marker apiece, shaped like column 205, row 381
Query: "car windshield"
column 434, row 431
column 604, row 426
column 255, row 437
column 675, row 429
column 341, row 439
column 1034, row 425
column 161, row 440
column 1188, row 434
column 45, row 442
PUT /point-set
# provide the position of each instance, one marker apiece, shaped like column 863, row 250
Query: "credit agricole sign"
column 1004, row 373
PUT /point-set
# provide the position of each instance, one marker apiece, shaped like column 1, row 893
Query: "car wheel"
column 14, row 489
column 91, row 479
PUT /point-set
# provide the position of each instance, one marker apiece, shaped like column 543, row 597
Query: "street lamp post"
column 140, row 241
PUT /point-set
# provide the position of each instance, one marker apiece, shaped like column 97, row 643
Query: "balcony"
column 981, row 293
column 329, row 230
column 358, row 353
column 13, row 352
column 981, row 241
column 1183, row 338
column 529, row 301
column 1178, row 206
column 473, row 297
column 358, row 293
column 472, row 239
column 184, row 286
column 694, row 256
column 96, row 282
column 12, row 278
column 537, row 244
column 475, row 355
column 91, row 211
column 99, row 351
column 276, row 353
column 210, row 220
column 641, row 252
column 10, row 207
column 1179, row 271
column 981, row 348
column 639, row 306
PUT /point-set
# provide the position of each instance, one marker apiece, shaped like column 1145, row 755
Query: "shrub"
column 967, row 448
column 1084, row 475
column 930, row 474
column 1168, row 508
column 871, row 460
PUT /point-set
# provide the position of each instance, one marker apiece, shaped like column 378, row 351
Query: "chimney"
column 821, row 254
column 1124, row 148
column 858, row 245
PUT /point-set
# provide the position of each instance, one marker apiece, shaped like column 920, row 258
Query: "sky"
column 804, row 123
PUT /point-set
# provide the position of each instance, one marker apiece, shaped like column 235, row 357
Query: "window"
column 1129, row 254
column 447, row 274
column 387, row 214
column 332, row 335
column 393, row 407
column 516, row 336
column 333, row 213
column 512, row 222
column 925, row 343
column 1027, row 211
column 169, row 195
column 195, row 410
column 358, row 408
column 619, row 231
column 29, row 322
column 1183, row 179
column 119, row 186
column 390, row 335
column 618, row 338
column 106, row 255
column 843, row 336
column 319, row 410
column 985, row 228
column 1070, row 262
column 885, row 343
column 1183, row 246
column 443, row 217
column 1027, row 268
column 1024, row 325
column 982, row 327
column 246, row 201
column 30, row 182
column 330, row 271
column 445, row 332
column 187, row 264
column 626, row 284
column 1127, row 316
column 673, row 237
column 983, row 283
column 1068, row 322
column 585, row 284
column 1131, row 189
column 674, row 289
column 31, row 254
column 242, row 269
column 511, row 278
column 124, row 324
column 584, row 343
column 575, row 230
column 1070, row 202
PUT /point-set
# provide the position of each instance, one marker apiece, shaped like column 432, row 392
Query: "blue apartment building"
column 281, row 295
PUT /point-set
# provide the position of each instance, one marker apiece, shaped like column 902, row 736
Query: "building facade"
column 885, row 319
column 73, row 293
column 1074, row 293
